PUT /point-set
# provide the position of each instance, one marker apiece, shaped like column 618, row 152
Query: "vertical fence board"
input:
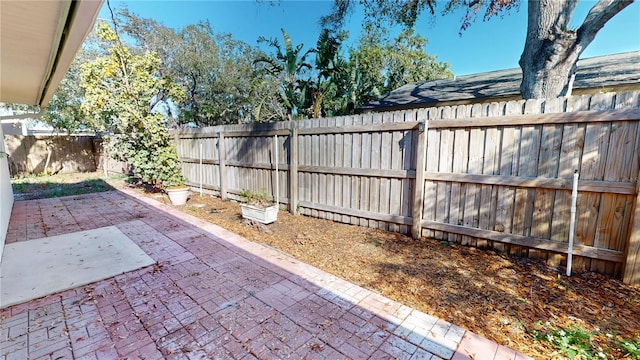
column 443, row 188
column 489, row 192
column 472, row 196
column 322, row 178
column 386, row 148
column 304, row 178
column 293, row 171
column 222, row 158
column 568, row 162
column 593, row 167
column 365, row 183
column 439, row 198
column 373, row 197
column 338, row 161
column 497, row 194
column 512, row 195
column 333, row 159
column 395, row 185
column 408, row 161
column 579, row 103
column 351, row 184
column 430, row 192
column 534, row 225
column 631, row 270
column 459, row 166
column 506, row 194
column 419, row 195
column 356, row 162
column 548, row 164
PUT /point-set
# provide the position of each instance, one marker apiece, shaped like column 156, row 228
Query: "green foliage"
column 630, row 347
column 336, row 85
column 215, row 71
column 259, row 199
column 329, row 67
column 380, row 65
column 406, row 12
column 552, row 45
column 288, row 65
column 195, row 77
column 64, row 110
column 577, row 343
column 121, row 96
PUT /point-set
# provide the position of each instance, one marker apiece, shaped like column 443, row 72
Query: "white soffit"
column 38, row 41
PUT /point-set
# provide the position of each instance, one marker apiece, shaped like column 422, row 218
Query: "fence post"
column 293, row 170
column 222, row 166
column 631, row 274
column 418, row 189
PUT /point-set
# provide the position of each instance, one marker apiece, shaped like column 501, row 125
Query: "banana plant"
column 288, row 64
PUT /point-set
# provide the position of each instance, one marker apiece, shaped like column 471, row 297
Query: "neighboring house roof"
column 39, row 40
column 602, row 72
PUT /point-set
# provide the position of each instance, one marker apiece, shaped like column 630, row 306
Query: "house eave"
column 39, row 41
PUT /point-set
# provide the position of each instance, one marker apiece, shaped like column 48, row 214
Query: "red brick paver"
column 211, row 295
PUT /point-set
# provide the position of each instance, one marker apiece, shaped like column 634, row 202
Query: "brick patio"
column 211, row 295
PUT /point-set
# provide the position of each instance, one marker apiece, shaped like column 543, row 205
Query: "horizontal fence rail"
column 495, row 175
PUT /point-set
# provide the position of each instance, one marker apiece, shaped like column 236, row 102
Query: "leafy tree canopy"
column 121, row 98
column 196, row 77
column 551, row 48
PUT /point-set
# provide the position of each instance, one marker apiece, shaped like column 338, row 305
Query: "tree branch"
column 597, row 17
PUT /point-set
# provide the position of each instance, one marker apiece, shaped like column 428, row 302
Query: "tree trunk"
column 551, row 49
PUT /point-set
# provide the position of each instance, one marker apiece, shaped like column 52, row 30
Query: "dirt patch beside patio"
column 515, row 302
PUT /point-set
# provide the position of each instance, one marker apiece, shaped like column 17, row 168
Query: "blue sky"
column 485, row 46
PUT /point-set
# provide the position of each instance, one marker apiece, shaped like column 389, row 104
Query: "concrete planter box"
column 264, row 216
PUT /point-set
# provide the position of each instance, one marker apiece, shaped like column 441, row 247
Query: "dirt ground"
column 510, row 300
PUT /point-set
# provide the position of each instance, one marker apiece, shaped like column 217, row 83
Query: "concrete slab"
column 35, row 268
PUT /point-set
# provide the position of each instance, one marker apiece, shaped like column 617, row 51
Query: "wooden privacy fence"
column 65, row 154
column 495, row 175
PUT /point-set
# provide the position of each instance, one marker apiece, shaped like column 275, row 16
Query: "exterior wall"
column 6, row 194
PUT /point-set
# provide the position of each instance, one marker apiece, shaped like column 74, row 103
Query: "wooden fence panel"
column 496, row 175
column 190, row 150
column 65, row 154
column 546, row 151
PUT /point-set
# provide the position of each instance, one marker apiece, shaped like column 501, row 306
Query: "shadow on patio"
column 211, row 295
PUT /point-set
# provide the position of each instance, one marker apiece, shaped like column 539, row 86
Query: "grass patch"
column 42, row 187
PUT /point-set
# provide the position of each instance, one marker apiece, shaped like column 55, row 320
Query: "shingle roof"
column 595, row 72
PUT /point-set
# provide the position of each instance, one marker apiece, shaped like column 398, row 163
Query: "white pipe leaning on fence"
column 277, row 176
column 201, row 168
column 572, row 224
